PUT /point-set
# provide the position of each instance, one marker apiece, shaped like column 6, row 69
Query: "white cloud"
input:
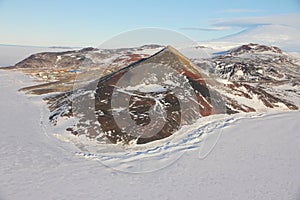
column 283, row 19
column 240, row 11
column 291, row 20
column 215, row 28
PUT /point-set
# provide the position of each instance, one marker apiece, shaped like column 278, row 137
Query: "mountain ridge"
column 232, row 94
column 275, row 35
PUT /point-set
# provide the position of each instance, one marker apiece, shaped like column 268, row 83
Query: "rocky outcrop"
column 265, row 75
column 256, row 63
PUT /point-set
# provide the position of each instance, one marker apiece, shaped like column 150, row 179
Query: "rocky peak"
column 145, row 101
column 253, row 48
column 166, row 81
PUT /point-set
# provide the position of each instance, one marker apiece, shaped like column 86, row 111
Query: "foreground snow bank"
column 255, row 158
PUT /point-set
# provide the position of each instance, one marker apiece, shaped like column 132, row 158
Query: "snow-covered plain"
column 255, row 158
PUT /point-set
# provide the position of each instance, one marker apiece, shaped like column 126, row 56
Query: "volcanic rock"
column 166, row 81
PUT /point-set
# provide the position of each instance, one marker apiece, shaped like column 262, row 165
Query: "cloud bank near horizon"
column 291, row 20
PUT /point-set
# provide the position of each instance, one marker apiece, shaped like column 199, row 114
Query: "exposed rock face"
column 261, row 73
column 145, row 101
column 243, row 97
column 256, row 63
column 170, row 71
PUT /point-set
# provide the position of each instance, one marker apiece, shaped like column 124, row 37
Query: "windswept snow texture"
column 255, row 158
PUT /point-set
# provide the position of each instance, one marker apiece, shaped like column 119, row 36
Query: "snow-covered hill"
column 285, row 37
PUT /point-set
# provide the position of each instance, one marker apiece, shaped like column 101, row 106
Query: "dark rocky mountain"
column 165, row 86
column 160, row 81
column 118, row 93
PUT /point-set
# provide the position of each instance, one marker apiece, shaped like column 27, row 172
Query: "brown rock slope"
column 145, row 101
column 172, row 83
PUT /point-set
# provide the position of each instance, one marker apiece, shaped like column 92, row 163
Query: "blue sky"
column 90, row 22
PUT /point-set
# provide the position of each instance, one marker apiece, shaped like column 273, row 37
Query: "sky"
column 91, row 22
